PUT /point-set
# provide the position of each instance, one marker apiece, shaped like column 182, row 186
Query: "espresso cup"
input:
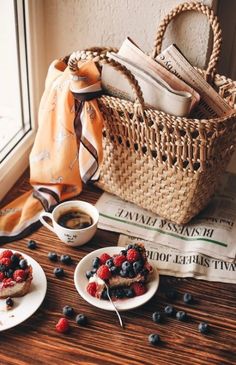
column 72, row 237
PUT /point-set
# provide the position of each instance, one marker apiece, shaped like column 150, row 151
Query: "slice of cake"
column 125, row 273
column 15, row 275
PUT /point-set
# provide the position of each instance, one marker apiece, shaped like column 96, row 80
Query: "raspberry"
column 103, row 258
column 133, row 255
column 92, row 289
column 5, row 261
column 118, row 260
column 7, row 282
column 104, row 272
column 2, row 276
column 6, row 253
column 19, row 275
column 138, row 288
column 62, row 326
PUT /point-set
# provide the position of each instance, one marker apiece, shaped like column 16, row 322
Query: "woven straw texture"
column 165, row 164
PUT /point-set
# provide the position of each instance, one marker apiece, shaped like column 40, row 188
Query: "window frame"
column 17, row 160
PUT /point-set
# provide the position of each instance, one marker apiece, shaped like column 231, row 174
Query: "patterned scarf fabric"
column 67, row 149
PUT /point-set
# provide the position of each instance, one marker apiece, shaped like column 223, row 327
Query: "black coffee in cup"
column 75, row 219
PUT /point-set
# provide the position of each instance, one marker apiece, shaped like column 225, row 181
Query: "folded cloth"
column 67, row 149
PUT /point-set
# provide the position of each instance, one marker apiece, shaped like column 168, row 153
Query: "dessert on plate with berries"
column 15, row 274
column 125, row 274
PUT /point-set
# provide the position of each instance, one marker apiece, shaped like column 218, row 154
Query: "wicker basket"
column 165, row 164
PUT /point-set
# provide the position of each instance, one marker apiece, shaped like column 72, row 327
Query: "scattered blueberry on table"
column 203, row 327
column 58, row 272
column 157, row 317
column 169, row 310
column 68, row 311
column 81, row 319
column 181, row 316
column 188, row 298
column 154, row 339
column 66, row 259
column 52, row 256
column 32, row 245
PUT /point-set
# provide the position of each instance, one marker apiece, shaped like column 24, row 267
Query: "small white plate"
column 24, row 306
column 81, row 283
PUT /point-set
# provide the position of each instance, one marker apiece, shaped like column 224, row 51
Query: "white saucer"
column 81, row 283
column 24, row 306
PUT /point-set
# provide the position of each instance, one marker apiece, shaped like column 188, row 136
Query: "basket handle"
column 213, row 20
column 139, row 101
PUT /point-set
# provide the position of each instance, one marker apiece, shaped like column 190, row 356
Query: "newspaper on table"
column 204, row 248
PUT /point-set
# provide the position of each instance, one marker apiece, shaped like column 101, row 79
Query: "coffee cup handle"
column 41, row 218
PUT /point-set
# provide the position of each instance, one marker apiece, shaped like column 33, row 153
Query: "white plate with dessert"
column 131, row 283
column 23, row 286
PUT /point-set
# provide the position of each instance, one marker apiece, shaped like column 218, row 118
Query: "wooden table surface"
column 103, row 341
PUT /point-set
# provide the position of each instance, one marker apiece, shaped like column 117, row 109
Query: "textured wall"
column 77, row 24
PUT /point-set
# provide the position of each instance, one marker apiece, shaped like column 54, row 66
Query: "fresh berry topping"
column 157, row 317
column 68, row 311
column 126, row 266
column 118, row 260
column 2, row 276
column 137, row 266
column 19, row 275
column 129, row 247
column 89, row 274
column 15, row 260
column 103, row 272
column 32, row 245
column 52, row 256
column 181, row 316
column 123, row 273
column 188, row 298
column 96, row 262
column 203, row 327
column 63, row 325
column 81, row 319
column 138, row 288
column 118, row 293
column 114, row 270
column 109, row 262
column 58, row 272
column 2, row 268
column 5, row 261
column 153, row 339
column 66, row 259
column 104, row 258
column 9, row 273
column 104, row 295
column 169, row 310
column 171, row 294
column 129, row 293
column 6, row 254
column 23, row 264
column 133, row 255
column 123, row 252
column 9, row 302
column 92, row 289
column 7, row 282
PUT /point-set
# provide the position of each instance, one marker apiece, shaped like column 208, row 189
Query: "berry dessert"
column 15, row 275
column 125, row 274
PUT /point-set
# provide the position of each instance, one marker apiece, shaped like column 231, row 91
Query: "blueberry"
column 114, row 270
column 203, row 327
column 181, row 316
column 137, row 266
column 9, row 302
column 89, row 274
column 123, row 273
column 81, row 319
column 187, row 298
column 109, row 263
column 15, row 260
column 2, row 268
column 68, row 311
column 171, row 294
column 154, row 339
column 9, row 273
column 52, row 256
column 157, row 317
column 129, row 247
column 96, row 262
column 169, row 310
column 119, row 293
column 94, row 270
column 58, row 272
column 66, row 259
column 126, row 265
column 123, row 252
column 23, row 264
column 104, row 295
column 131, row 273
column 32, row 244
column 129, row 293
